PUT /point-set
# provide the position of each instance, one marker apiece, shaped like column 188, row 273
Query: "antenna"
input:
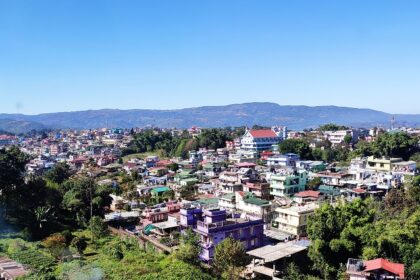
column 392, row 122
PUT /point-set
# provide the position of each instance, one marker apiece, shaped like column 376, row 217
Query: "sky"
column 78, row 55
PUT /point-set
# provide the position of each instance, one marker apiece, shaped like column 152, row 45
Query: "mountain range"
column 261, row 113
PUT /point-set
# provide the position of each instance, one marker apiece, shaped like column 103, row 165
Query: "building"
column 260, row 139
column 214, row 226
column 251, row 205
column 307, row 196
column 338, row 137
column 286, row 160
column 374, row 269
column 287, row 185
column 293, row 220
column 10, row 270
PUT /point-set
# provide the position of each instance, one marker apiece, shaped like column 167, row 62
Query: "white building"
column 262, row 139
column 293, row 220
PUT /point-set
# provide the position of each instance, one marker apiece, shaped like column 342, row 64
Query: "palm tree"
column 42, row 214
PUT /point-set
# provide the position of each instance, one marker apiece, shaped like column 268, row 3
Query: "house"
column 307, row 196
column 10, row 270
column 338, row 137
column 189, row 182
column 155, row 215
column 293, row 220
column 214, row 226
column 332, row 178
column 259, row 189
column 260, row 139
column 381, row 164
column 287, row 185
column 227, row 201
column 286, row 160
column 374, row 269
column 251, row 205
column 157, row 192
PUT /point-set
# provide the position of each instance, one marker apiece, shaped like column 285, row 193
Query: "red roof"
column 358, row 190
column 245, row 164
column 395, row 268
column 262, row 133
column 308, row 194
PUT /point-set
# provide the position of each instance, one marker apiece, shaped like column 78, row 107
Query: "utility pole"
column 91, row 206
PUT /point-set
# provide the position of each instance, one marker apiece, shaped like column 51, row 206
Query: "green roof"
column 256, row 201
column 207, row 201
column 229, row 196
column 161, row 189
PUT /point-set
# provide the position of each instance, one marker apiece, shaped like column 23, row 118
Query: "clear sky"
column 77, row 55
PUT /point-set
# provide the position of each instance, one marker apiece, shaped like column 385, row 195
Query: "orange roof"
column 262, row 133
column 395, row 268
column 308, row 194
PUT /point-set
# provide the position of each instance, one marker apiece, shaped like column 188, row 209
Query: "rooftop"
column 271, row 253
column 262, row 133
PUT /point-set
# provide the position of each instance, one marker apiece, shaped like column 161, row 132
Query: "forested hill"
column 261, row 113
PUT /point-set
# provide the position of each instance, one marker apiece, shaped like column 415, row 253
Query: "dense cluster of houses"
column 247, row 190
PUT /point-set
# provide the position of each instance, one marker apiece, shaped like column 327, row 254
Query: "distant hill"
column 262, row 113
column 19, row 126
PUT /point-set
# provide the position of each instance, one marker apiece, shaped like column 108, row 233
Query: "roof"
column 308, row 194
column 245, row 164
column 262, row 133
column 256, row 201
column 395, row 268
column 160, row 189
column 279, row 251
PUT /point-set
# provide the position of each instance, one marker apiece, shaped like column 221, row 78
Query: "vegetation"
column 368, row 230
column 179, row 146
column 230, row 258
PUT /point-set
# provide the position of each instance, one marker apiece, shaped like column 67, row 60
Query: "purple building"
column 213, row 226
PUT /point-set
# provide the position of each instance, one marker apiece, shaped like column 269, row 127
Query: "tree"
column 80, row 244
column 338, row 233
column 229, row 254
column 59, row 173
column 190, row 247
column 173, row 166
column 56, row 244
column 348, row 139
column 297, row 146
column 398, row 144
column 12, row 168
column 98, row 227
column 332, row 127
column 82, row 194
column 314, row 183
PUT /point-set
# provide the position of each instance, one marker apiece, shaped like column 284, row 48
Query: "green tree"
column 80, row 244
column 297, row 146
column 81, row 194
column 338, row 233
column 230, row 253
column 332, row 127
column 59, row 173
column 314, row 183
column 97, row 227
column 189, row 248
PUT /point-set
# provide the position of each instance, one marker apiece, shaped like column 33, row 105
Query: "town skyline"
column 161, row 55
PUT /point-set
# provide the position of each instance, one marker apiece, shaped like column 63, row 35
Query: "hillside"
column 262, row 113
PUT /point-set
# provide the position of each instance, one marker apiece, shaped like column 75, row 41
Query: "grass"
column 159, row 153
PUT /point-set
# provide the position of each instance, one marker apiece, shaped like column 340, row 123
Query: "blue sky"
column 77, row 55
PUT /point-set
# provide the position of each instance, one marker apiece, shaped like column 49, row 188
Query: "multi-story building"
column 214, row 226
column 287, row 185
column 286, row 160
column 260, row 139
column 293, row 220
